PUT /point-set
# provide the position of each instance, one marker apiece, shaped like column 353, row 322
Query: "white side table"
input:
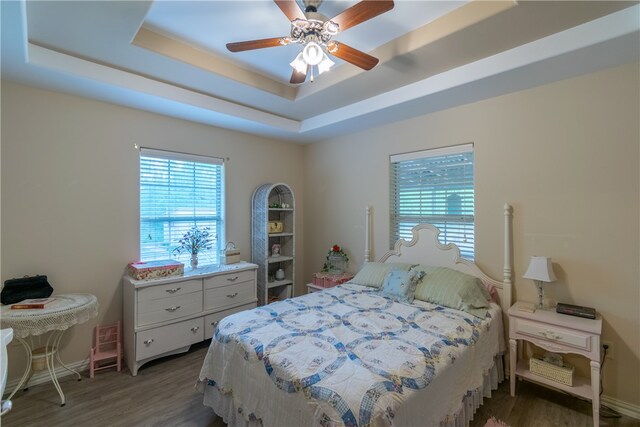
column 559, row 333
column 57, row 316
column 314, row 288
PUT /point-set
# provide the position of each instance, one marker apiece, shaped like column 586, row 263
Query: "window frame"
column 178, row 224
column 452, row 162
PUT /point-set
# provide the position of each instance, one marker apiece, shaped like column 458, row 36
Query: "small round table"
column 57, row 316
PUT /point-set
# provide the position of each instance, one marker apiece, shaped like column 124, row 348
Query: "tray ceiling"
column 169, row 57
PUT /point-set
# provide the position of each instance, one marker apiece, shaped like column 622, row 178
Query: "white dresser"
column 165, row 316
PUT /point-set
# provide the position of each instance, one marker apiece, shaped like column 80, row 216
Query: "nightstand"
column 558, row 333
column 322, row 281
column 314, row 288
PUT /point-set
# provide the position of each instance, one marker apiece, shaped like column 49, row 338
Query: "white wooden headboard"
column 425, row 248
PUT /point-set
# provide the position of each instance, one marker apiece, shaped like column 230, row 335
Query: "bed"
column 354, row 355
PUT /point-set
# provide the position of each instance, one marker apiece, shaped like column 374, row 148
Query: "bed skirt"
column 224, row 407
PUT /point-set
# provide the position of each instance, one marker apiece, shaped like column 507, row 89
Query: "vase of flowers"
column 193, row 242
column 337, row 260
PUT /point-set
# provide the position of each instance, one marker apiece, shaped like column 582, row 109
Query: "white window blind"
column 435, row 187
column 179, row 191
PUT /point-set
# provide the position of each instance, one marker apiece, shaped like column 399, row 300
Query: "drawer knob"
column 232, row 295
column 195, row 329
column 173, row 291
column 232, row 279
column 149, row 341
column 172, row 309
column 214, row 324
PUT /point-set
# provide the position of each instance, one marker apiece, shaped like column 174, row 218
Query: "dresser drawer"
column 552, row 333
column 164, row 309
column 170, row 289
column 229, row 279
column 160, row 340
column 211, row 320
column 225, row 296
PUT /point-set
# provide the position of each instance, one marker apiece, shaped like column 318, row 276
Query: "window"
column 436, row 187
column 177, row 192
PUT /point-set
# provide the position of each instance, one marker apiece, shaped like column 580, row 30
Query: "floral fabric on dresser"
column 353, row 354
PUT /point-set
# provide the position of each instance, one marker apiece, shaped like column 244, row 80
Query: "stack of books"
column 29, row 304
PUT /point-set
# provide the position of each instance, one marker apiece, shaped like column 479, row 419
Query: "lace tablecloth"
column 61, row 314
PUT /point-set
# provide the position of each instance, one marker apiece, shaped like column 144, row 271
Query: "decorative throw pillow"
column 401, row 285
column 373, row 273
column 453, row 289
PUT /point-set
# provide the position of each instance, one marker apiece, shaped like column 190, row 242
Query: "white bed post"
column 506, row 290
column 367, row 226
column 506, row 283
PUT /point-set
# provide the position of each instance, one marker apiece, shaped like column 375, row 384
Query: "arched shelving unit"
column 273, row 202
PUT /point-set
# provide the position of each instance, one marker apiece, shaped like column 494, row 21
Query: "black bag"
column 16, row 290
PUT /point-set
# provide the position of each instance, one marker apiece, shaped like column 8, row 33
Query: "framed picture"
column 275, row 250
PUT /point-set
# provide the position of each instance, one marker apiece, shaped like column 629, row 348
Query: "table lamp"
column 540, row 270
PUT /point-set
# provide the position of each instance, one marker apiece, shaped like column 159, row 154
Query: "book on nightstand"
column 576, row 310
column 527, row 307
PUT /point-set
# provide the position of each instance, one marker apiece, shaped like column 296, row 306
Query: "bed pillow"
column 373, row 273
column 401, row 285
column 453, row 289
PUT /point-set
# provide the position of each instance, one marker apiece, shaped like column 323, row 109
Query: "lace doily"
column 67, row 310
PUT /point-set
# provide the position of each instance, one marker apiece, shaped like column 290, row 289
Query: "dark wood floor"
column 163, row 394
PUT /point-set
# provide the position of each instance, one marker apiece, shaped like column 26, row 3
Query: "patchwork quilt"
column 348, row 355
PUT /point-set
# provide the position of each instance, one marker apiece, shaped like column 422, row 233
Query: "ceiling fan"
column 315, row 31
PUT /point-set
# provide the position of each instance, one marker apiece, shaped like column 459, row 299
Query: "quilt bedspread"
column 350, row 354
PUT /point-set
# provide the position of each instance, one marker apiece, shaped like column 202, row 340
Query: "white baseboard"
column 41, row 377
column 625, row 408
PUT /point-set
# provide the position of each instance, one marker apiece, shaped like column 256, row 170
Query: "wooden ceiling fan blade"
column 361, row 12
column 291, row 9
column 297, row 78
column 257, row 44
column 351, row 55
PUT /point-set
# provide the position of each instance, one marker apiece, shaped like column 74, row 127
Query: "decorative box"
column 327, row 280
column 155, row 269
column 561, row 374
column 275, row 227
column 231, row 254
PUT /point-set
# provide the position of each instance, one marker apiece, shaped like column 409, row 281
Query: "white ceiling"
column 169, row 57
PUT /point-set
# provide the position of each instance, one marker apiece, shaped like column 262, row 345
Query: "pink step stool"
column 107, row 346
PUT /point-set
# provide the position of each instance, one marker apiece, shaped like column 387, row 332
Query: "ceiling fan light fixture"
column 313, row 53
column 330, row 27
column 325, row 64
column 299, row 64
column 315, row 31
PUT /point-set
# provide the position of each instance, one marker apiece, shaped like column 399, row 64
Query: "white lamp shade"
column 325, row 64
column 312, row 53
column 540, row 268
column 298, row 64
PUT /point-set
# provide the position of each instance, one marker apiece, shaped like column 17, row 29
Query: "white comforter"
column 348, row 356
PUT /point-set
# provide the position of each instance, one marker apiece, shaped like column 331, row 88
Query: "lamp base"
column 541, row 304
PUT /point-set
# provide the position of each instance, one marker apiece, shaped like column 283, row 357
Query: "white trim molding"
column 625, row 408
column 42, row 376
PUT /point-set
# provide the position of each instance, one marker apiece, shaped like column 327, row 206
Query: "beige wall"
column 565, row 155
column 70, row 192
